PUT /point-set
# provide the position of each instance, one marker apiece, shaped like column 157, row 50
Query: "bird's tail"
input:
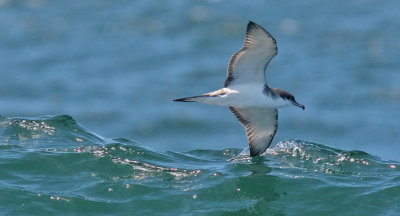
column 191, row 99
column 209, row 98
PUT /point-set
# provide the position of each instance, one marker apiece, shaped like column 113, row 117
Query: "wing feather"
column 249, row 63
column 260, row 126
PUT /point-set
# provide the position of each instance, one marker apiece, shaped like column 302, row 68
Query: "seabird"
column 246, row 93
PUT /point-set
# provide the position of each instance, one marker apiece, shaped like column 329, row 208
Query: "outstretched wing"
column 248, row 65
column 260, row 126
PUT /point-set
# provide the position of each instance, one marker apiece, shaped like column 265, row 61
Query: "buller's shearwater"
column 246, row 93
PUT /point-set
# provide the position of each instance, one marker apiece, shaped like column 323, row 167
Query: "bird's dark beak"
column 299, row 105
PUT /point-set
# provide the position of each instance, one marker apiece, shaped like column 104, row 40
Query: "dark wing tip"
column 256, row 152
column 252, row 26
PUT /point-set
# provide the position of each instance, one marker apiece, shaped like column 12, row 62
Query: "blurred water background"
column 115, row 66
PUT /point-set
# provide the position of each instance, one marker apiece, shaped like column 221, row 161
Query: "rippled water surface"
column 115, row 67
column 52, row 165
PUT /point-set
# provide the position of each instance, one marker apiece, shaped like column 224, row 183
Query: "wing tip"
column 256, row 149
column 252, row 26
column 256, row 152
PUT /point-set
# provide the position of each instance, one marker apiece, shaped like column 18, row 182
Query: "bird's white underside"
column 243, row 96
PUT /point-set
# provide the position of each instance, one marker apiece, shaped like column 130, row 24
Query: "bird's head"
column 284, row 98
column 290, row 98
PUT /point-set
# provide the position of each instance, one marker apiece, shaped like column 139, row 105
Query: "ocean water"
column 53, row 165
column 88, row 126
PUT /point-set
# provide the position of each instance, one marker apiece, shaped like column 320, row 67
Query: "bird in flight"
column 246, row 93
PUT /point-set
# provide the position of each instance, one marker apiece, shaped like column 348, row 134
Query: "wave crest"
column 47, row 131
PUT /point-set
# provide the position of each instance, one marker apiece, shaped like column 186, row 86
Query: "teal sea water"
column 52, row 165
column 88, row 126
